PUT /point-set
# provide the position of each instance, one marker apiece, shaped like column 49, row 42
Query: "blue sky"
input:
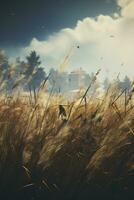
column 22, row 20
column 102, row 29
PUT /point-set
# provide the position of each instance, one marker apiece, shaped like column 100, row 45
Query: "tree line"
column 29, row 74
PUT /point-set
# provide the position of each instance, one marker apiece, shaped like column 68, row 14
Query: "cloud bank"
column 105, row 42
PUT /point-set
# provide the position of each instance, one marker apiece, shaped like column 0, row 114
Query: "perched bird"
column 62, row 111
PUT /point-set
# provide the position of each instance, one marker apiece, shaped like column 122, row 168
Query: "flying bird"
column 112, row 36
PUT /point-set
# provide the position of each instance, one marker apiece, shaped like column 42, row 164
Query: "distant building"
column 78, row 79
column 65, row 82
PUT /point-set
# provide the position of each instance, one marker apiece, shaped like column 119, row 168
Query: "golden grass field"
column 87, row 154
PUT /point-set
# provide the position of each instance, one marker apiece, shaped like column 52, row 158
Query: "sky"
column 24, row 19
column 92, row 33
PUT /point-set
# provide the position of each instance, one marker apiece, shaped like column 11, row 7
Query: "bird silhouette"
column 62, row 111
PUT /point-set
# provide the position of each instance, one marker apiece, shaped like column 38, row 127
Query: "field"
column 83, row 149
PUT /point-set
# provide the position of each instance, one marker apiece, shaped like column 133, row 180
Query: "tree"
column 4, row 71
column 3, row 64
column 126, row 83
column 33, row 62
column 33, row 73
column 37, row 78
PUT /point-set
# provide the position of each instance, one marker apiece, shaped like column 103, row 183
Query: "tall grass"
column 88, row 154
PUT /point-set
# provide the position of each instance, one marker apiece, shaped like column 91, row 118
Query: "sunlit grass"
column 92, row 147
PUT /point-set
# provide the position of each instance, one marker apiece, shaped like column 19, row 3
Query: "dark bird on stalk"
column 93, row 115
column 62, row 111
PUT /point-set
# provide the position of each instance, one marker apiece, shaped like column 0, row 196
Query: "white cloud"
column 124, row 3
column 104, row 41
column 127, row 8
